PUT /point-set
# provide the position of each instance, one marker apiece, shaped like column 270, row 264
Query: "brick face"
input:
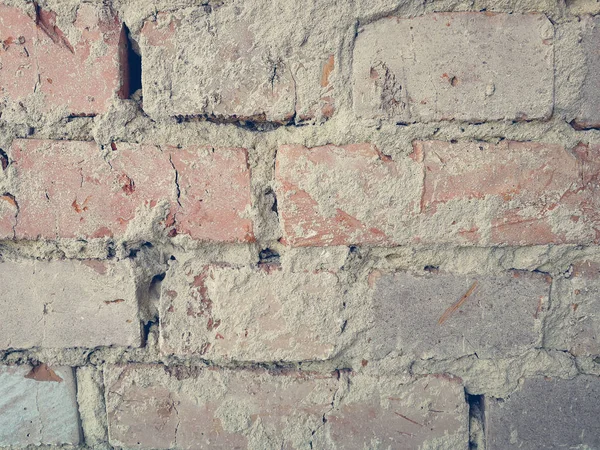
column 493, row 316
column 249, row 314
column 588, row 115
column 38, row 406
column 316, row 225
column 465, row 193
column 69, row 190
column 546, row 413
column 454, row 66
column 430, row 412
column 241, row 73
column 351, row 194
column 62, row 304
column 574, row 325
column 81, row 75
column 195, row 408
column 526, row 193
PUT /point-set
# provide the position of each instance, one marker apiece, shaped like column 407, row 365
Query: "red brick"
column 514, row 193
column 66, row 189
column 151, row 406
column 468, row 193
column 340, row 195
column 574, row 324
column 8, row 215
column 81, row 76
column 546, row 413
column 215, row 193
column 245, row 314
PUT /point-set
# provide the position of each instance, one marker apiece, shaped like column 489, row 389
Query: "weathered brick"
column 179, row 407
column 430, row 412
column 448, row 316
column 67, row 189
column 343, row 195
column 8, row 215
column 589, row 114
column 455, row 66
column 214, row 188
column 574, row 324
column 38, row 406
column 61, row 304
column 262, row 314
column 152, row 406
column 242, row 72
column 466, row 193
column 546, row 413
column 513, row 193
column 80, row 69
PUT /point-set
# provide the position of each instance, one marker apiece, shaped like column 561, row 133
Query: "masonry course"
column 272, row 224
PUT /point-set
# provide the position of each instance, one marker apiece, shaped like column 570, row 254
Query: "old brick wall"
column 268, row 224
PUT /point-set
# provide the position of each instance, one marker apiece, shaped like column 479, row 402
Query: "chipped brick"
column 35, row 412
column 82, row 76
column 466, row 66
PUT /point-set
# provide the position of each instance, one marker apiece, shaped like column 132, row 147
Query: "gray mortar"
column 126, row 122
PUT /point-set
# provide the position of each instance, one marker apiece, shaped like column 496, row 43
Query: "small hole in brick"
column 268, row 256
column 270, row 192
column 134, row 62
column 3, row 159
column 155, row 285
column 431, row 269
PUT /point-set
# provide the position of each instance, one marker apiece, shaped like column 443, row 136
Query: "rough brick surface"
column 494, row 316
column 38, row 406
column 575, row 322
column 511, row 193
column 69, row 190
column 241, row 72
column 158, row 407
column 343, row 195
column 214, row 193
column 455, row 66
column 514, row 193
column 248, row 314
column 317, row 225
column 546, row 414
column 380, row 413
column 589, row 114
column 61, row 304
column 80, row 69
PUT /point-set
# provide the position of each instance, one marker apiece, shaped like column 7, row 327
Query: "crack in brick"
column 46, row 22
column 333, row 405
column 176, row 180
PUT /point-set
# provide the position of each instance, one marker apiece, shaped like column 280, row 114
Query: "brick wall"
column 304, row 225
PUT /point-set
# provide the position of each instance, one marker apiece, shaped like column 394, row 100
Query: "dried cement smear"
column 328, row 28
